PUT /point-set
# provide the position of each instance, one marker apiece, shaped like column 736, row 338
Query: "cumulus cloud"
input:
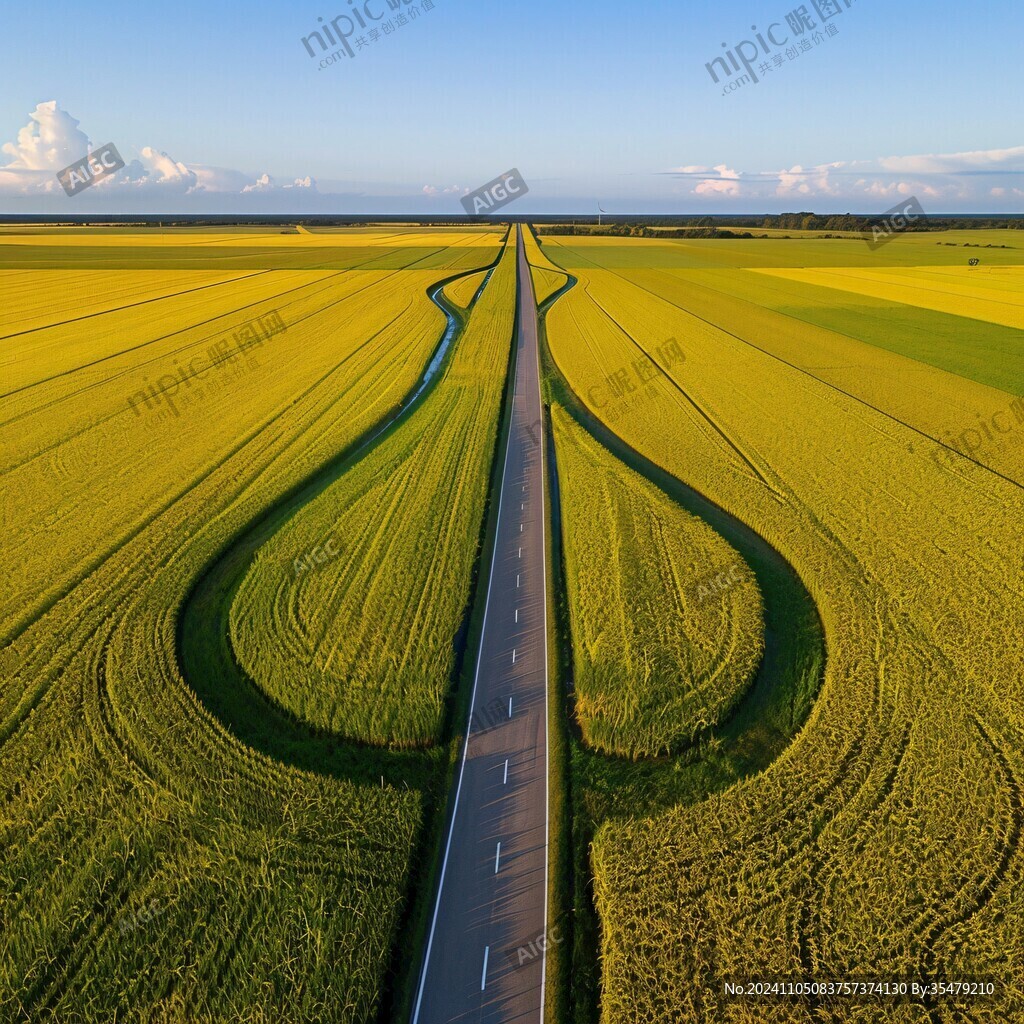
column 969, row 177
column 808, row 181
column 444, row 190
column 52, row 140
column 265, row 183
column 726, row 184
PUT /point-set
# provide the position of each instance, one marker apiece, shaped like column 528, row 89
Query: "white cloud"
column 952, row 163
column 265, row 183
column 812, row 181
column 726, row 184
column 444, row 190
column 967, row 178
column 52, row 140
column 717, row 187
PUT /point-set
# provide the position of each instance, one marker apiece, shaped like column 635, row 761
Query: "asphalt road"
column 485, row 959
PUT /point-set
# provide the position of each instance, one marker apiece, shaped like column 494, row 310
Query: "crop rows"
column 886, row 842
column 666, row 618
column 153, row 866
column 363, row 645
column 463, row 290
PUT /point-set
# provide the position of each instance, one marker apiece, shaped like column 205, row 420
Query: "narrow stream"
column 205, row 655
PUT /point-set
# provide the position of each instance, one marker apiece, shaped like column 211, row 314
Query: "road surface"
column 484, row 960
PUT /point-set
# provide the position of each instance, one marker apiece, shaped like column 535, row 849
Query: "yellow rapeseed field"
column 665, row 616
column 362, row 644
column 885, row 843
column 463, row 290
column 154, row 864
column 993, row 294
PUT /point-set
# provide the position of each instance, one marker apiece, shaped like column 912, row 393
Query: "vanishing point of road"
column 484, row 960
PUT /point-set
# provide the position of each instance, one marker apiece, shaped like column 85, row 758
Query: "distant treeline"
column 639, row 231
column 719, row 227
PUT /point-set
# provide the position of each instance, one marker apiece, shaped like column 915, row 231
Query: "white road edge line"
column 483, row 973
column 469, row 731
column 510, row 707
column 505, row 782
column 497, row 858
column 547, row 685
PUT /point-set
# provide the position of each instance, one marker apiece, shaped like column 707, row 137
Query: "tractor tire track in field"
column 47, row 602
column 205, row 657
column 808, row 893
column 332, row 275
column 121, row 309
column 163, row 356
column 283, row 734
column 703, row 413
column 809, row 889
column 985, row 889
column 766, row 717
column 815, row 377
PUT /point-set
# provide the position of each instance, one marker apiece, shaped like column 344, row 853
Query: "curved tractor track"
column 757, row 732
column 204, row 652
column 794, row 636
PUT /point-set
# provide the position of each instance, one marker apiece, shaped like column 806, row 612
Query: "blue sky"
column 221, row 108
